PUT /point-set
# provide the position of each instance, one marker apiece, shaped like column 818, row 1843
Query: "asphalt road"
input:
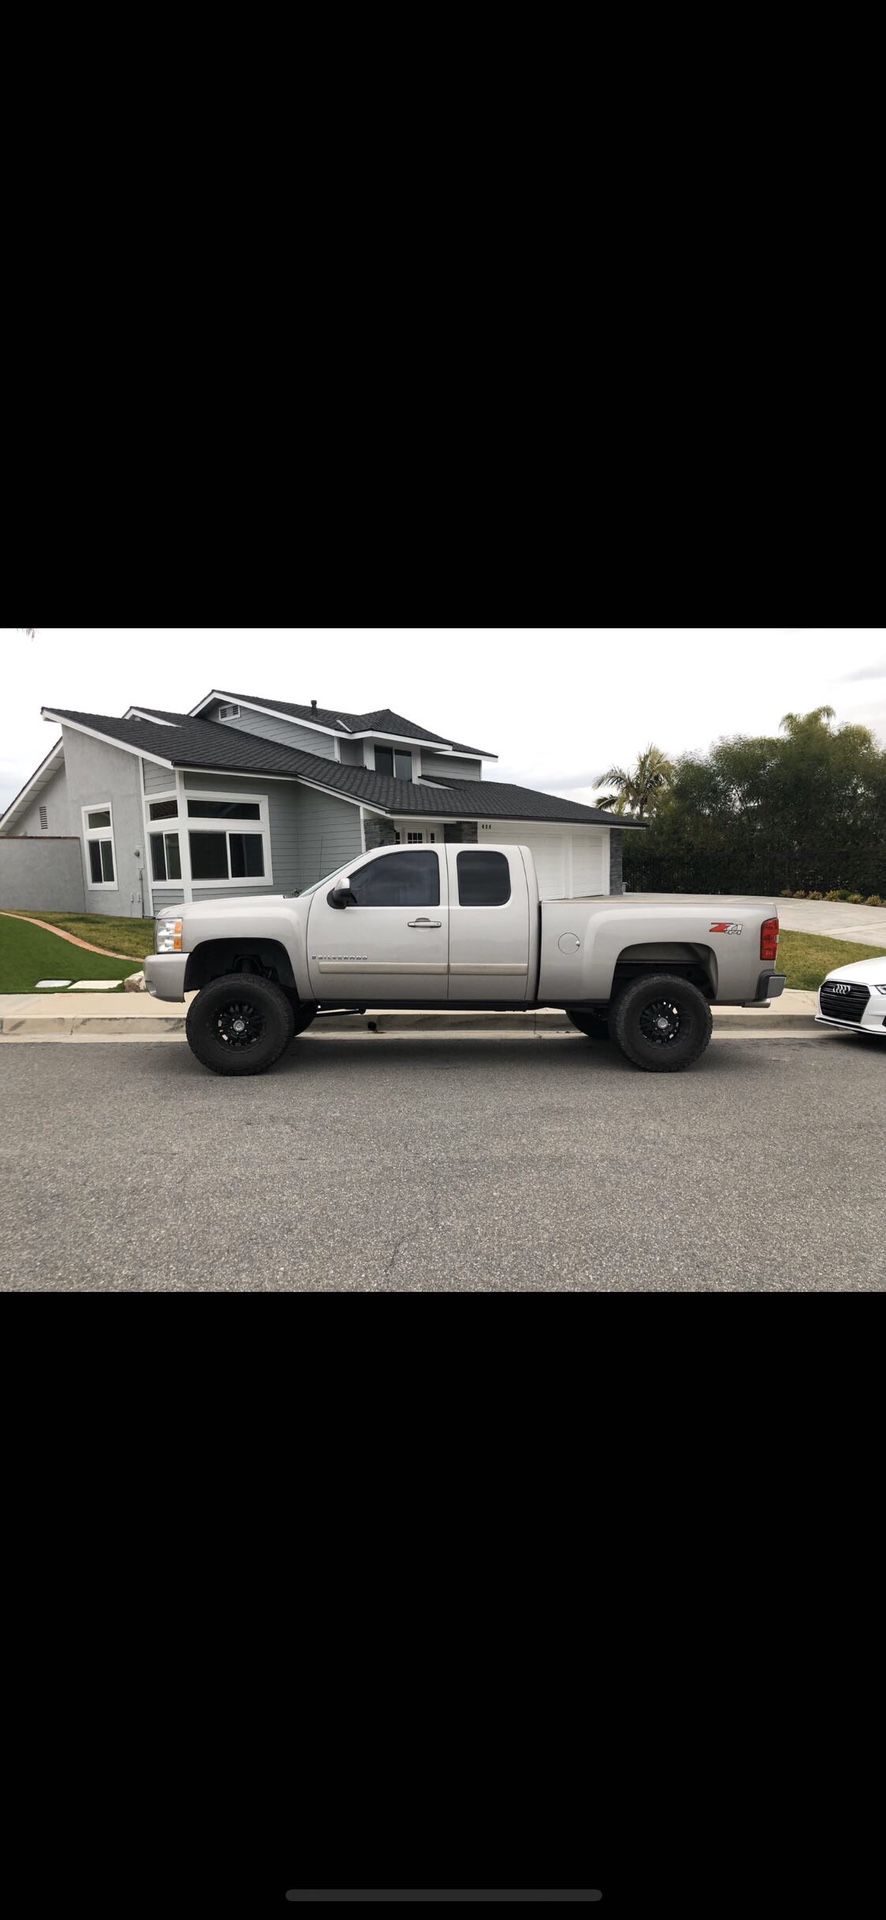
column 426, row 1164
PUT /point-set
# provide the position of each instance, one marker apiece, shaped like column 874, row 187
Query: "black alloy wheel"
column 661, row 1022
column 239, row 1024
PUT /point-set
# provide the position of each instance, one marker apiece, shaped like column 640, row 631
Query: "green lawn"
column 27, row 955
column 122, row 936
column 806, row 957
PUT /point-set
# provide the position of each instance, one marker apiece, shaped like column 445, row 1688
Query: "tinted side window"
column 484, row 879
column 398, row 880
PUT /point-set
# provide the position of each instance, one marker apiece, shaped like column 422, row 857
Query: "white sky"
column 558, row 706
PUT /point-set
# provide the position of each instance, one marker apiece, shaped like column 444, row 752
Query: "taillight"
column 769, row 940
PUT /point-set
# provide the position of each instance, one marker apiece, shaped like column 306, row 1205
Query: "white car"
column 855, row 997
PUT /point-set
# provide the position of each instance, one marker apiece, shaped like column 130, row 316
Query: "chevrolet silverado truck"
column 457, row 927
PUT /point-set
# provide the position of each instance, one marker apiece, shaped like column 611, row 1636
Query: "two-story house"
column 247, row 794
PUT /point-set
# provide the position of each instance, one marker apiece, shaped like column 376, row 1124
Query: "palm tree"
column 637, row 790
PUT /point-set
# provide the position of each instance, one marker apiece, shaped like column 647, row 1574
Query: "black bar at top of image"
column 445, row 1893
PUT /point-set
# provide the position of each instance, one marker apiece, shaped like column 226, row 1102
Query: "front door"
column 392, row 946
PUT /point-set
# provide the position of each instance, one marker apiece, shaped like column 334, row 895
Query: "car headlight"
column 169, row 936
column 880, row 989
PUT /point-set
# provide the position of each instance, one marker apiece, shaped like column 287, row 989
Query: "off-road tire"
column 661, row 1022
column 215, row 1035
column 595, row 1025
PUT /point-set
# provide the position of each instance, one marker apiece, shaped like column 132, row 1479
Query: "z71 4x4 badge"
column 725, row 926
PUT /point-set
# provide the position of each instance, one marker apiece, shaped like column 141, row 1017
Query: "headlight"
column 880, row 989
column 169, row 936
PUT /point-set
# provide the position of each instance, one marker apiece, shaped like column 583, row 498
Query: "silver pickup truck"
column 455, row 927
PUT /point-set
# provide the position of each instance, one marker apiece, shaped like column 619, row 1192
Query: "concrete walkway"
column 137, row 1015
column 837, row 919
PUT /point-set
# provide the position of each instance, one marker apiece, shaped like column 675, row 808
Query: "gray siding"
column 311, row 833
column 42, row 873
column 97, row 771
column 287, row 733
column 352, row 753
column 158, row 779
column 166, row 897
column 451, row 765
column 54, row 797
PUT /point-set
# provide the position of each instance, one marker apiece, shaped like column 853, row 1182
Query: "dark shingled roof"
column 211, row 747
column 383, row 720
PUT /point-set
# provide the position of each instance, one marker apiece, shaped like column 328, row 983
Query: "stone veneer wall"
column 378, row 832
column 616, row 843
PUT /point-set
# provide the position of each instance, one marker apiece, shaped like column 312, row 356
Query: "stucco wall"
column 44, row 872
column 98, row 772
column 54, row 797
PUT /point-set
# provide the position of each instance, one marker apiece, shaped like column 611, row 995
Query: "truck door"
column 488, row 924
column 391, row 944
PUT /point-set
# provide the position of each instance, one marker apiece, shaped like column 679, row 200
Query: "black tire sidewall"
column 694, row 1010
column 279, row 1024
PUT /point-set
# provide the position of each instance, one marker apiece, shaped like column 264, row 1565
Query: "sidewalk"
column 126, row 1016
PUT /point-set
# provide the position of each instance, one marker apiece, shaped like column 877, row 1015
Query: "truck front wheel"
column 661, row 1022
column 239, row 1024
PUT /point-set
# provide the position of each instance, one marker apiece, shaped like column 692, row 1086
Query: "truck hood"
column 193, row 912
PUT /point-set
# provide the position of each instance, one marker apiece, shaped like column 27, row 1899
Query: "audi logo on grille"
column 840, row 986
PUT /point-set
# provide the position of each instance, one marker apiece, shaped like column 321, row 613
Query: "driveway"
column 431, row 1165
column 838, row 918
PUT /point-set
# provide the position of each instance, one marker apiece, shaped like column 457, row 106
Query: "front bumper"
column 165, row 975
column 877, row 1027
column 769, row 987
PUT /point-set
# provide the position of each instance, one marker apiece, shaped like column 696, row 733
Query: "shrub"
column 873, row 900
column 799, row 895
column 855, row 899
column 786, row 893
column 816, row 896
column 833, row 895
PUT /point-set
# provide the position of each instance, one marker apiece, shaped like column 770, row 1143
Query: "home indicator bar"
column 446, row 1894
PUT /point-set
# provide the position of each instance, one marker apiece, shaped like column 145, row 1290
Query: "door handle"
column 424, row 923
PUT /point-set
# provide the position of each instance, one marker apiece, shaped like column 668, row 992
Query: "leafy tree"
column 808, row 803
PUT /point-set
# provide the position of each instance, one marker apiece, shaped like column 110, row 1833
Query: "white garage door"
column 568, row 863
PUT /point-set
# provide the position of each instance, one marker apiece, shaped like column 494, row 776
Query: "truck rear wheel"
column 661, row 1022
column 595, row 1025
column 239, row 1024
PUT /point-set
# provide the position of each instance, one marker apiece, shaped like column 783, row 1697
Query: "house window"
column 98, row 838
column 165, row 856
column 396, row 766
column 227, row 856
column 163, row 809
column 43, row 820
column 398, row 880
column 224, row 809
column 229, row 713
column 484, row 879
column 414, row 839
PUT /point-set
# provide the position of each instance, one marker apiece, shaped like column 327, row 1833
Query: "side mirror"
column 341, row 896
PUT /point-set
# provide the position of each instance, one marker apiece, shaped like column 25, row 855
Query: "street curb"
column 143, row 1026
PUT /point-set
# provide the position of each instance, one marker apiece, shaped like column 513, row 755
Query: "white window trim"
column 99, row 833
column 166, row 828
column 393, row 747
column 215, row 825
